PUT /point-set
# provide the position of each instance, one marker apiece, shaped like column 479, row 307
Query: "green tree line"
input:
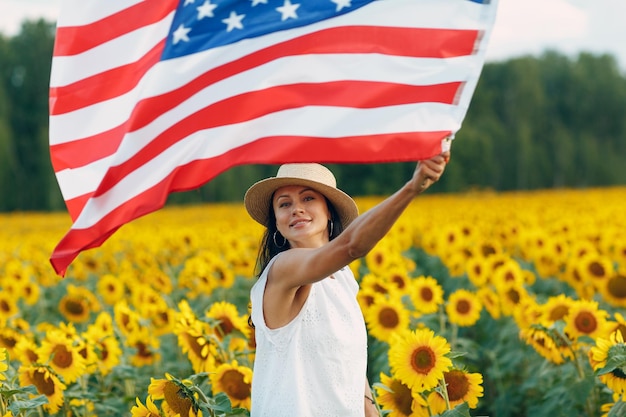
column 534, row 122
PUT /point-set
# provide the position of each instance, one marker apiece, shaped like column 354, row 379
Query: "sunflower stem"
column 430, row 410
column 442, row 319
column 444, row 392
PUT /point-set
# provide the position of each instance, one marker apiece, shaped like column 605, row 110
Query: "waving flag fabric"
column 155, row 96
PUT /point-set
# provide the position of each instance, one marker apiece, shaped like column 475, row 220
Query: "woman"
column 311, row 354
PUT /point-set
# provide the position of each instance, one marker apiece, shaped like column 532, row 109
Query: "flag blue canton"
column 203, row 24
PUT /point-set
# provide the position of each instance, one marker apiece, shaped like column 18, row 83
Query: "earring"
column 330, row 228
column 276, row 243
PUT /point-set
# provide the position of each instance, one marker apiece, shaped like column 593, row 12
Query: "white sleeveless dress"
column 315, row 366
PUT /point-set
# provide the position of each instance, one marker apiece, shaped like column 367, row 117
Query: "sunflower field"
column 476, row 304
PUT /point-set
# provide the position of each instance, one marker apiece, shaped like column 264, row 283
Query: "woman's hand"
column 428, row 171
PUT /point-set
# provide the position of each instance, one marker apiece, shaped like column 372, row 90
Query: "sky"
column 523, row 27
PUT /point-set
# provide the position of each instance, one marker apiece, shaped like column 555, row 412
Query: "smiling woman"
column 304, row 305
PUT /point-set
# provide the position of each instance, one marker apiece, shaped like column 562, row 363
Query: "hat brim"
column 258, row 198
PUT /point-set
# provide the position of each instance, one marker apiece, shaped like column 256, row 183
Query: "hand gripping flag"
column 156, row 96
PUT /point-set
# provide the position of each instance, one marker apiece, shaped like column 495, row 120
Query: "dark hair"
column 268, row 248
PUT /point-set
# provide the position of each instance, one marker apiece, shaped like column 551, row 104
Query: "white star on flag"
column 342, row 3
column 188, row 2
column 206, row 10
column 288, row 10
column 234, row 21
column 255, row 2
column 180, row 34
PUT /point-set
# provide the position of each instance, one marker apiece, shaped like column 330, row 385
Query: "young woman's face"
column 301, row 215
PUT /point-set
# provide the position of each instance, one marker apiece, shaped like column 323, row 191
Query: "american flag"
column 156, row 96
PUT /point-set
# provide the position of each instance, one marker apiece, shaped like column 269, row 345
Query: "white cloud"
column 14, row 12
column 531, row 26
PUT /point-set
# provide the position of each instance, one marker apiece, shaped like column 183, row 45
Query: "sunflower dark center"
column 4, row 306
column 75, row 307
column 176, row 398
column 597, row 269
column 44, row 384
column 194, row 345
column 388, row 318
column 402, row 397
column 558, row 312
column 233, row 384
column 586, row 322
column 226, row 326
column 514, row 296
column 423, row 360
column 62, row 357
column 617, row 286
column 398, row 280
column 463, row 307
column 427, row 294
column 457, row 383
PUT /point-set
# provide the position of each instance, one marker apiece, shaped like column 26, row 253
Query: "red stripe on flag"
column 388, row 148
column 244, row 107
column 73, row 40
column 82, row 152
column 75, row 205
column 424, row 43
column 103, row 86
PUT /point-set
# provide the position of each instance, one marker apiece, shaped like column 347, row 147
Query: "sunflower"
column 490, row 301
column 418, row 358
column 9, row 338
column 511, row 296
column 508, row 272
column 604, row 351
column 386, row 317
column 426, row 294
column 196, row 275
column 619, row 325
column 178, row 399
column 194, row 340
column 528, row 313
column 376, row 283
column 227, row 319
column 585, row 318
column 4, row 365
column 235, row 381
column 26, row 351
column 556, row 308
column 157, row 279
column 366, row 297
column 148, row 410
column 462, row 387
column 382, row 257
column 111, row 289
column 77, row 305
column 46, row 382
column 399, row 398
column 127, row 319
column 80, row 407
column 146, row 346
column 8, row 306
column 613, row 289
column 30, row 292
column 548, row 343
column 399, row 277
column 147, row 301
column 63, row 355
column 478, row 270
column 595, row 268
column 463, row 308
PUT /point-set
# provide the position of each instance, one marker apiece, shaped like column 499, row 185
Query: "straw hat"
column 258, row 198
